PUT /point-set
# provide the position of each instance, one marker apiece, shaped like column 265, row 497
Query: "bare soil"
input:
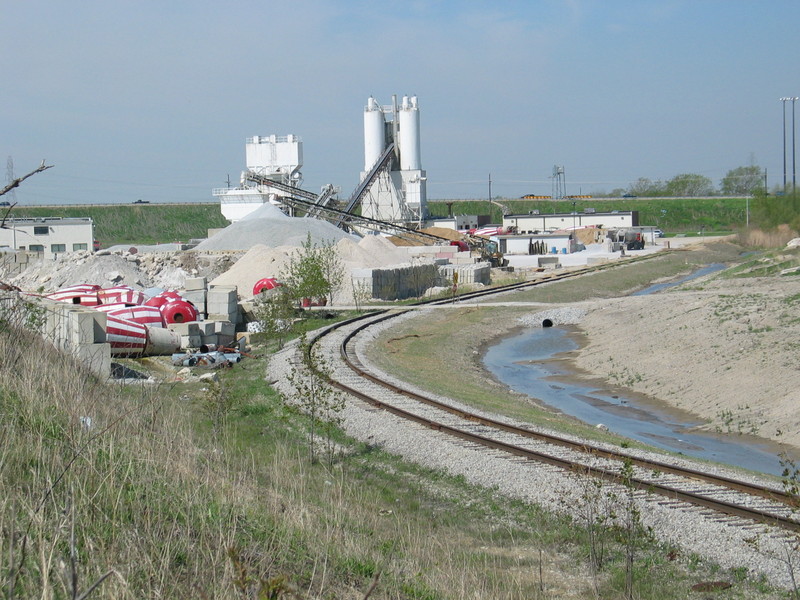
column 722, row 349
column 725, row 350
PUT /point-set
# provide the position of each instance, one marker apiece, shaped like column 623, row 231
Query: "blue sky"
column 154, row 99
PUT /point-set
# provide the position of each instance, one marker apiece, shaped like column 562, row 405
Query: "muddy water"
column 533, row 363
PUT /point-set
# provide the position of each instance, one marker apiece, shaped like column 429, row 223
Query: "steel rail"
column 664, row 490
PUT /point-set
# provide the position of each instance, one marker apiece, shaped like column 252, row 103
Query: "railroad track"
column 669, row 484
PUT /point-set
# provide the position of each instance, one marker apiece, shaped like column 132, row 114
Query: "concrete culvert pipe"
column 547, row 323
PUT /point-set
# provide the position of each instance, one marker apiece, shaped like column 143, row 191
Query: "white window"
column 76, row 247
column 56, row 248
column 36, row 248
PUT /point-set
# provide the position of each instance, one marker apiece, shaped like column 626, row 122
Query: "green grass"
column 139, row 224
column 678, row 215
column 154, row 223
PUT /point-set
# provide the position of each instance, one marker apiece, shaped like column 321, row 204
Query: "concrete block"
column 220, row 317
column 207, row 328
column 224, row 328
column 191, row 341
column 195, row 284
column 221, row 309
column 208, row 340
column 192, row 328
column 226, row 340
column 222, row 294
column 196, row 297
column 95, row 356
column 87, row 326
column 552, row 262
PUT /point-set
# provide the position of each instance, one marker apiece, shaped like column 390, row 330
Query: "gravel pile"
column 167, row 270
column 271, row 227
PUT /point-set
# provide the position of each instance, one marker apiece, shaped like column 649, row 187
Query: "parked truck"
column 630, row 239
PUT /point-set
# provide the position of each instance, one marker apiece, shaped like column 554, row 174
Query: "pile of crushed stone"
column 139, row 271
column 269, row 226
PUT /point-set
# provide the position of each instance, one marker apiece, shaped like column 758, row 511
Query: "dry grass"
column 776, row 238
column 145, row 502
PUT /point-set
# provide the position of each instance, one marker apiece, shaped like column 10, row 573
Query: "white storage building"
column 49, row 236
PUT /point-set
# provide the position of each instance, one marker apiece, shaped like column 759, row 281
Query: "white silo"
column 409, row 135
column 374, row 133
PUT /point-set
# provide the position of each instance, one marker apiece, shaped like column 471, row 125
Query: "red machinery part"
column 462, row 246
column 178, row 311
column 162, row 298
column 268, row 283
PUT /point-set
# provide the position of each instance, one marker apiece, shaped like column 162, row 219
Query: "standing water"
column 528, row 363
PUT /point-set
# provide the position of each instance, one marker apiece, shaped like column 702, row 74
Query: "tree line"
column 741, row 181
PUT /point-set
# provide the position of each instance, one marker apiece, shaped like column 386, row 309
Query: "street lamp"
column 784, row 100
column 794, row 164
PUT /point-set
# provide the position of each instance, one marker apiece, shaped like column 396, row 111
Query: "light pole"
column 783, row 102
column 794, row 164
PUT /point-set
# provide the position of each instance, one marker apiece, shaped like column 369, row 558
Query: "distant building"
column 49, row 236
column 539, row 222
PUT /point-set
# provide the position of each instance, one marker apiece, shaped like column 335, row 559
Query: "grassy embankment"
column 193, row 490
column 139, row 224
column 154, row 223
column 674, row 216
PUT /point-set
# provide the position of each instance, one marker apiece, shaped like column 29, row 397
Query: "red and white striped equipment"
column 128, row 338
column 162, row 298
column 83, row 294
column 145, row 315
column 121, row 294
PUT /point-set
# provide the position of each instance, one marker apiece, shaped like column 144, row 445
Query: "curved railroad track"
column 672, row 484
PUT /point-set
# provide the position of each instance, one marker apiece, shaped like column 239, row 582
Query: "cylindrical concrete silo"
column 374, row 133
column 409, row 135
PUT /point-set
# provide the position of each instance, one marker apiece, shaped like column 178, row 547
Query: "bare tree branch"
column 19, row 180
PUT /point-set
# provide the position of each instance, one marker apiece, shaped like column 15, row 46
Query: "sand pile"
column 270, row 227
column 262, row 261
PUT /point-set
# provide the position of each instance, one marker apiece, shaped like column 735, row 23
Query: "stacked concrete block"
column 467, row 273
column 424, row 251
column 225, row 332
column 14, row 263
column 402, row 281
column 79, row 331
column 463, row 258
column 208, row 335
column 189, row 332
column 195, row 292
column 222, row 304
